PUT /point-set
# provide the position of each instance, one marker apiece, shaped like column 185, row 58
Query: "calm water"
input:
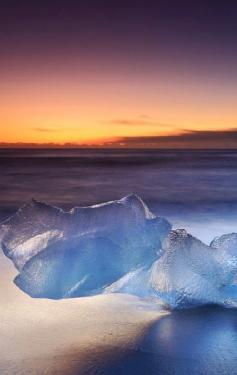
column 192, row 188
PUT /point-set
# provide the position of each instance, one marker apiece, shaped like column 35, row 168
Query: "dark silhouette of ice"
column 119, row 246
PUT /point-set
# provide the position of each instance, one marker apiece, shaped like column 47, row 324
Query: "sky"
column 118, row 73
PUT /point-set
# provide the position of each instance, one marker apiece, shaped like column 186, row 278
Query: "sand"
column 73, row 336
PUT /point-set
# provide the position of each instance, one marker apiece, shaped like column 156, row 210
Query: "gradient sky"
column 121, row 73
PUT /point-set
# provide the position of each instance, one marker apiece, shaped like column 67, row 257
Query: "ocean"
column 194, row 189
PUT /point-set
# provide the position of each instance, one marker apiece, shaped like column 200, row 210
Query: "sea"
column 194, row 189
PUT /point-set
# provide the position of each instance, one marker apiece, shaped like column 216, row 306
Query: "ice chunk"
column 61, row 254
column 119, row 246
column 189, row 273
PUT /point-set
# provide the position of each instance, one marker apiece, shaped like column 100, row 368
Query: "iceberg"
column 70, row 254
column 188, row 273
column 117, row 247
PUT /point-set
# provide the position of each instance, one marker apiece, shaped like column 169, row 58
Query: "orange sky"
column 96, row 72
column 92, row 104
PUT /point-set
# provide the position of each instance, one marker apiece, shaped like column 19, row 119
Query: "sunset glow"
column 97, row 88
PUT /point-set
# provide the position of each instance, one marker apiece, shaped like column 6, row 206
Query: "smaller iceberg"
column 188, row 273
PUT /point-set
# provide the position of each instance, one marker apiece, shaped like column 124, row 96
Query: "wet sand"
column 40, row 336
column 110, row 335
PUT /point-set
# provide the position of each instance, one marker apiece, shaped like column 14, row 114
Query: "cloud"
column 130, row 122
column 143, row 120
column 145, row 116
column 45, row 130
column 186, row 139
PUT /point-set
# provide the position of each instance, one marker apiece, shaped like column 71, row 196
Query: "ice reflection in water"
column 200, row 341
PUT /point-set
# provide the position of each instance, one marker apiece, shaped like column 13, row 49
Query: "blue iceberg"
column 118, row 246
column 70, row 254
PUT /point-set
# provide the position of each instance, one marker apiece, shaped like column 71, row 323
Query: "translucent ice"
column 118, row 246
column 67, row 254
column 189, row 273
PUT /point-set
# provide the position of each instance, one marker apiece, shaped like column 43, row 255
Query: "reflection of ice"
column 119, row 246
column 200, row 341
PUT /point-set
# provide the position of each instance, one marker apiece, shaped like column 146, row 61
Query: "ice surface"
column 118, row 246
column 189, row 273
column 68, row 254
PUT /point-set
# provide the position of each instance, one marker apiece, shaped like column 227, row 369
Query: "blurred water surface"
column 192, row 188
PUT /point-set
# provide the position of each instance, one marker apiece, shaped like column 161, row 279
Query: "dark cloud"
column 187, row 139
